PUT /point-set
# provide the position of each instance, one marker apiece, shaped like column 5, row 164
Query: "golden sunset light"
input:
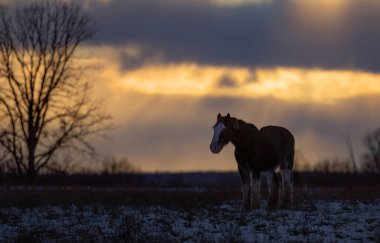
column 239, row 2
column 291, row 84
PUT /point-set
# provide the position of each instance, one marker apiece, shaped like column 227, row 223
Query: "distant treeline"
column 227, row 180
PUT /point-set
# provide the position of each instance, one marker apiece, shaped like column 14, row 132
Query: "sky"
column 166, row 68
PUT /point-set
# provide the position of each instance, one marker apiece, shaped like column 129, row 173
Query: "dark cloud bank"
column 254, row 35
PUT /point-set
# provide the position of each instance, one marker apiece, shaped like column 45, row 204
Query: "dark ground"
column 181, row 189
column 189, row 207
column 230, row 180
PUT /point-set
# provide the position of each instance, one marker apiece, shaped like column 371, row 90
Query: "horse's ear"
column 235, row 124
column 219, row 116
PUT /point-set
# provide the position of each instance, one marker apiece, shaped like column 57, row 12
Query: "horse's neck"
column 246, row 136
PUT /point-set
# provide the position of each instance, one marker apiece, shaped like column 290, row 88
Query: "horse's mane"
column 246, row 123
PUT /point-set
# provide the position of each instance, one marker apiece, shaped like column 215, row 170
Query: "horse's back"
column 276, row 133
column 277, row 146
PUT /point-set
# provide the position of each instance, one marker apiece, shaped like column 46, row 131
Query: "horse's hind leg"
column 255, row 190
column 246, row 196
column 274, row 186
column 288, row 188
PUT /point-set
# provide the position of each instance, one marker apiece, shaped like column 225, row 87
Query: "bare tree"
column 3, row 161
column 45, row 105
column 114, row 165
column 332, row 165
column 371, row 158
column 351, row 152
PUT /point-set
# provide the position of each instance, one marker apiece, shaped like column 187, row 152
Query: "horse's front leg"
column 245, row 176
column 255, row 190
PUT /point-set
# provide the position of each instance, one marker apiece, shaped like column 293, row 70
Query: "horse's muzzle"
column 215, row 147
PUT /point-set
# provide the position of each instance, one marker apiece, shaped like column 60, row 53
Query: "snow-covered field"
column 311, row 220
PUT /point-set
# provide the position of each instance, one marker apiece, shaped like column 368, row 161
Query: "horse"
column 265, row 151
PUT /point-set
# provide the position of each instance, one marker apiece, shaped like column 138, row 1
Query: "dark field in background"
column 177, row 190
column 227, row 180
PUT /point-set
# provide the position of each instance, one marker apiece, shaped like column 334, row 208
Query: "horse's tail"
column 289, row 150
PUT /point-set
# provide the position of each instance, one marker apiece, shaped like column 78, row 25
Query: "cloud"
column 322, row 34
column 279, row 33
column 232, row 3
column 226, row 81
column 192, row 79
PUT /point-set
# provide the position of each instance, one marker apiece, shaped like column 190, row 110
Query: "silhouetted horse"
column 257, row 151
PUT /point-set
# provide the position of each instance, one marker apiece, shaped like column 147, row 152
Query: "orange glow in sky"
column 291, row 84
column 168, row 95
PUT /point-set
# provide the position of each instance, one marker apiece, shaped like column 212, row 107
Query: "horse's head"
column 224, row 130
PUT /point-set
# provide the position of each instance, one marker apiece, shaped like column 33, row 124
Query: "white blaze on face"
column 214, row 146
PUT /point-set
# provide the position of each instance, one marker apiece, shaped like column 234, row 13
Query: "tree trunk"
column 31, row 176
column 31, row 173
